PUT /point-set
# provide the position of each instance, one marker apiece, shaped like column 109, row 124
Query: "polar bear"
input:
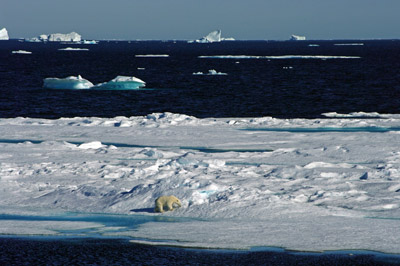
column 169, row 202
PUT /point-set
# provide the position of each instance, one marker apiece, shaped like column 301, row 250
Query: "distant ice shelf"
column 57, row 37
column 77, row 83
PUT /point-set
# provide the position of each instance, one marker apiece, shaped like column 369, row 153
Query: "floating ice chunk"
column 4, row 34
column 152, row 55
column 73, row 49
column 121, row 83
column 72, row 82
column 210, row 73
column 279, row 57
column 297, row 38
column 89, row 42
column 21, row 52
column 313, row 45
column 351, row 44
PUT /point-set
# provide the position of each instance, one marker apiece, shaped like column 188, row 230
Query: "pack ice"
column 243, row 182
column 72, row 82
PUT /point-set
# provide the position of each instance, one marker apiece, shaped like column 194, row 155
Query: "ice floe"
column 21, row 52
column 300, row 190
column 211, row 72
column 279, row 57
column 73, row 49
column 151, row 55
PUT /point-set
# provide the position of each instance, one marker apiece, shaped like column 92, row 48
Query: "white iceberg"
column 214, row 36
column 297, row 38
column 72, row 82
column 57, row 37
column 4, row 34
column 121, row 83
column 21, row 52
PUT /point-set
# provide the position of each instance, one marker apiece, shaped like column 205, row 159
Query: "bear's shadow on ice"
column 149, row 210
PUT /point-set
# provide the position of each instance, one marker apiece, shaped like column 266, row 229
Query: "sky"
column 193, row 19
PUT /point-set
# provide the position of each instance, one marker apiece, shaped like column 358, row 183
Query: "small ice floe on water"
column 211, row 72
column 322, row 57
column 349, row 44
column 21, row 52
column 313, row 45
column 121, row 83
column 288, row 67
column 151, row 55
column 141, row 68
column 71, row 82
column 73, row 49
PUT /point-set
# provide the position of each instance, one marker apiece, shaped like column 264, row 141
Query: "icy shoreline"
column 311, row 191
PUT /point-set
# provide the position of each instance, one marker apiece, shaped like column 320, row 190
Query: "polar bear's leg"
column 170, row 206
column 159, row 207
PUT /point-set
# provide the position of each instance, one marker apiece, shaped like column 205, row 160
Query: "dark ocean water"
column 253, row 87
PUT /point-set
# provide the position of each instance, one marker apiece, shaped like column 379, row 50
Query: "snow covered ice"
column 4, row 34
column 240, row 183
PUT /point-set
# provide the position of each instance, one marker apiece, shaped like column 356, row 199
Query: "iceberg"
column 4, row 34
column 121, row 83
column 297, row 38
column 214, row 36
column 57, row 37
column 72, row 82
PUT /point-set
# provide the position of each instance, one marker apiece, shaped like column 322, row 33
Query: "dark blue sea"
column 284, row 88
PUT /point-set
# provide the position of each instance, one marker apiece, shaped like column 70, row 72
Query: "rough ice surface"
column 322, row 57
column 57, row 37
column 214, row 36
column 240, row 185
column 71, row 82
column 297, row 38
column 211, row 72
column 21, row 52
column 4, row 34
column 121, row 83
